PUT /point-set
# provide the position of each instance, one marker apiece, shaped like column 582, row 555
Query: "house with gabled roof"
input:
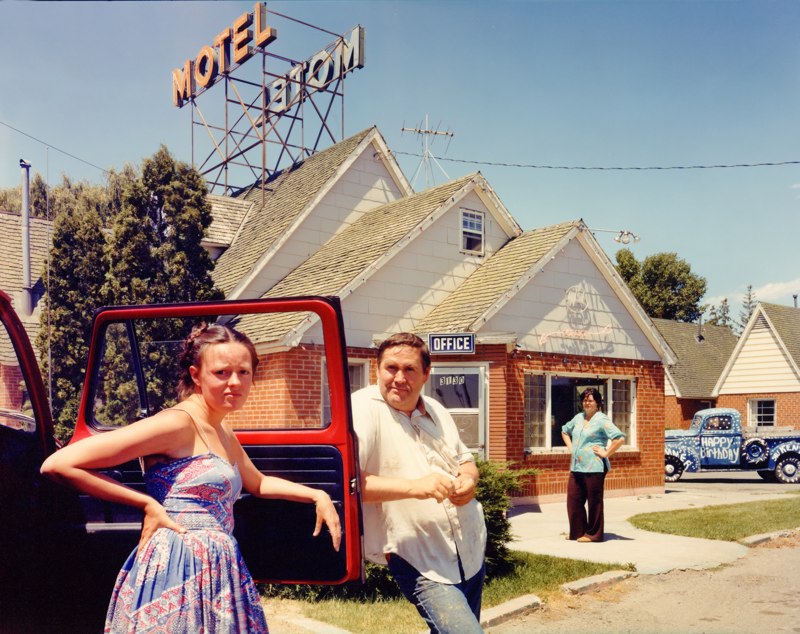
column 39, row 232
column 548, row 312
column 762, row 376
column 701, row 351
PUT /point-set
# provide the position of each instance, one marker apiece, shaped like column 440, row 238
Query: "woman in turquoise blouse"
column 587, row 437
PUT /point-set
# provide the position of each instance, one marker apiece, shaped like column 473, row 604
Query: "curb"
column 515, row 607
column 755, row 540
column 597, row 581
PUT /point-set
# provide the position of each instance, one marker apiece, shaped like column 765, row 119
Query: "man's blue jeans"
column 446, row 608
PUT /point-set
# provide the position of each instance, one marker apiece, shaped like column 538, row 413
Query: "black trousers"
column 585, row 488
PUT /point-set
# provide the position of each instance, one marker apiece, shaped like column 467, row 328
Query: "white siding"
column 570, row 308
column 760, row 367
column 364, row 186
column 418, row 278
column 669, row 389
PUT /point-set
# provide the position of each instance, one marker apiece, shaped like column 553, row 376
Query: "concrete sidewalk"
column 542, row 529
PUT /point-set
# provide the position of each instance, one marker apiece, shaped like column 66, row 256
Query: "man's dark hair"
column 407, row 339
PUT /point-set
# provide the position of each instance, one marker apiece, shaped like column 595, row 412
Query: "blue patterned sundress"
column 195, row 582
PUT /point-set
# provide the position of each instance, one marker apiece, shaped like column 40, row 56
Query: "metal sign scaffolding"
column 270, row 119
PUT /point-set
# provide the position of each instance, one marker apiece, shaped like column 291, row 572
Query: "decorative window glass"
column 472, row 231
column 622, row 402
column 552, row 401
column 761, row 411
column 535, row 410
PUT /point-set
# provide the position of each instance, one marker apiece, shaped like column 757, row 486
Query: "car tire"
column 787, row 469
column 755, row 452
column 673, row 469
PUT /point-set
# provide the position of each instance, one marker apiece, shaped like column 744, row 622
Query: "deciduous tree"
column 664, row 285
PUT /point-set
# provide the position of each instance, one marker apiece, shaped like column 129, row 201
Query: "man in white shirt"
column 418, row 488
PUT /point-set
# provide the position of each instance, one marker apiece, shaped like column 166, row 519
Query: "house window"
column 552, row 401
column 761, row 412
column 535, row 410
column 358, row 373
column 472, row 231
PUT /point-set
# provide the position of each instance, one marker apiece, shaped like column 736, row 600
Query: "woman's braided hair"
column 202, row 336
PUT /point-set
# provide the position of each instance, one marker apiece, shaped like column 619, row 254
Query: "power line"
column 77, row 158
column 619, row 169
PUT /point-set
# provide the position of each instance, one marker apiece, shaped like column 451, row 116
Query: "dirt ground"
column 758, row 593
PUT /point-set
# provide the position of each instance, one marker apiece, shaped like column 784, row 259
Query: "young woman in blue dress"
column 592, row 439
column 187, row 574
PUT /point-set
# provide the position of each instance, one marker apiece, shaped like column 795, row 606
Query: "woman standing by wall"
column 587, row 436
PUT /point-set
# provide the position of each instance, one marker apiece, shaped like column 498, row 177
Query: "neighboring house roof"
column 700, row 361
column 288, row 197
column 496, row 281
column 11, row 269
column 784, row 324
column 349, row 258
column 228, row 214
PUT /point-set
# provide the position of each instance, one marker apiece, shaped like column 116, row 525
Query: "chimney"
column 26, row 303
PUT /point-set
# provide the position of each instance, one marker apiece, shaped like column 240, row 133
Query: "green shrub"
column 496, row 484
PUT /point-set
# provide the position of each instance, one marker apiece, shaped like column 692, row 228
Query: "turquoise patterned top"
column 598, row 432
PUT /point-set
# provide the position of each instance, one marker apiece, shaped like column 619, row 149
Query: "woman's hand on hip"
column 155, row 517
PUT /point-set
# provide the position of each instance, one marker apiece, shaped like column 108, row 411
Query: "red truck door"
column 131, row 373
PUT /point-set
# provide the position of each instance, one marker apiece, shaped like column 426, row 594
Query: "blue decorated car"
column 716, row 441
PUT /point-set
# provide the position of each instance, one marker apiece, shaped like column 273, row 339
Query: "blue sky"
column 562, row 84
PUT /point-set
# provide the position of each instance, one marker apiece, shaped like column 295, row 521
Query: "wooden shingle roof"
column 494, row 279
column 700, row 361
column 228, row 214
column 786, row 321
column 287, row 195
column 11, row 248
column 349, row 258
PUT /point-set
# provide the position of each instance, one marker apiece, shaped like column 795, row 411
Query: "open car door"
column 296, row 425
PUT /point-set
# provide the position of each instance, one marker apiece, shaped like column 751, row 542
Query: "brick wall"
column 10, row 393
column 288, row 393
column 678, row 412
column 787, row 406
column 639, row 468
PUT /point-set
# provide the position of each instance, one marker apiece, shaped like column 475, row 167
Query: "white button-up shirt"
column 431, row 536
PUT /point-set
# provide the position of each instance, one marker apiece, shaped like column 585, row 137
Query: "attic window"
column 472, row 231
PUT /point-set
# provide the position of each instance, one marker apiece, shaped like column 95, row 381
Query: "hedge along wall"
column 633, row 469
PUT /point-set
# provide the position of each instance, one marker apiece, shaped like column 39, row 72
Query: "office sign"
column 452, row 343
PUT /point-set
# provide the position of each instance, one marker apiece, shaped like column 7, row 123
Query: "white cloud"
column 778, row 292
column 772, row 292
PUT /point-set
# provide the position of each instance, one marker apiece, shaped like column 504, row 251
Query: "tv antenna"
column 427, row 136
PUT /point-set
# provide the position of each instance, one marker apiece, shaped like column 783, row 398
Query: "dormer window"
column 472, row 231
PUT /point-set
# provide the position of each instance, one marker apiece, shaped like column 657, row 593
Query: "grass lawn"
column 728, row 522
column 534, row 574
column 542, row 575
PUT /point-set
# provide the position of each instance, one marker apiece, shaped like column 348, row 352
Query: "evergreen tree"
column 748, row 307
column 77, row 275
column 720, row 315
column 157, row 220
column 155, row 257
column 664, row 285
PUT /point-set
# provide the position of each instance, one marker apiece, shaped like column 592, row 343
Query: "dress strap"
column 196, row 426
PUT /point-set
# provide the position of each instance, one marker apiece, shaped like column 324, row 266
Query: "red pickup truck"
column 60, row 551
